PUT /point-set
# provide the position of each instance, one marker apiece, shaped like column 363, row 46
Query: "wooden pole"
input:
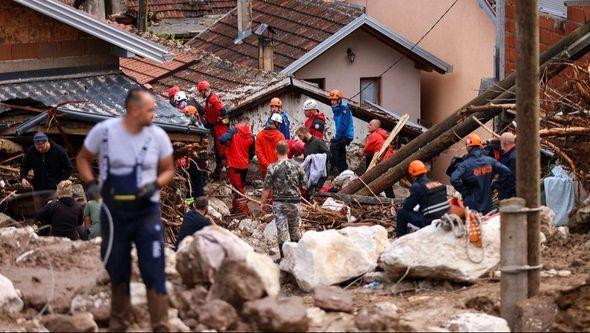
column 556, row 51
column 142, row 16
column 528, row 163
column 400, row 124
column 513, row 257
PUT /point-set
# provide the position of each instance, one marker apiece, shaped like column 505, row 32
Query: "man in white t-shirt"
column 135, row 160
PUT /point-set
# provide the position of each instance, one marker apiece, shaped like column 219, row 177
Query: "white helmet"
column 180, row 96
column 277, row 118
column 310, row 104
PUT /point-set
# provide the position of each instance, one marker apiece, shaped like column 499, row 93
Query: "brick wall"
column 551, row 30
column 26, row 34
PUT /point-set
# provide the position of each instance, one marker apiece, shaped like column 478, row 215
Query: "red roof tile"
column 300, row 25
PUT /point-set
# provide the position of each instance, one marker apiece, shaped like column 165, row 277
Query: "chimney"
column 244, row 20
column 95, row 8
column 115, row 8
column 265, row 35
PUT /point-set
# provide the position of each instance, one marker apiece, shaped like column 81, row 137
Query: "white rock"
column 316, row 316
column 217, row 216
column 17, row 237
column 219, row 206
column 476, row 322
column 138, row 293
column 339, row 207
column 270, row 231
column 247, row 226
column 176, row 324
column 432, row 252
column 344, row 178
column 170, row 268
column 10, row 302
column 564, row 232
column 330, row 257
column 564, row 273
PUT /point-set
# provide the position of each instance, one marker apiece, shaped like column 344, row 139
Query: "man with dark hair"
column 285, row 178
column 195, row 219
column 135, row 161
column 49, row 161
column 316, row 163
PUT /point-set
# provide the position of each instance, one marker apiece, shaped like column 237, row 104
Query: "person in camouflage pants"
column 285, row 179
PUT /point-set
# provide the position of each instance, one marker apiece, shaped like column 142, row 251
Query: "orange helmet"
column 203, row 85
column 191, row 110
column 276, row 102
column 335, row 94
column 417, row 168
column 473, row 140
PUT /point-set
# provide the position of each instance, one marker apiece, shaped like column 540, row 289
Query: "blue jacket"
column 508, row 188
column 285, row 127
column 473, row 178
column 343, row 121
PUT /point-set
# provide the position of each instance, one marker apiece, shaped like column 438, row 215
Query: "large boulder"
column 280, row 315
column 217, row 315
column 476, row 322
column 330, row 257
column 10, row 302
column 332, row 298
column 199, row 256
column 434, row 253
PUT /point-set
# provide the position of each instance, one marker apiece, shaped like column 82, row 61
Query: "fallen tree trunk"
column 564, row 131
column 425, row 147
column 364, row 200
column 500, row 89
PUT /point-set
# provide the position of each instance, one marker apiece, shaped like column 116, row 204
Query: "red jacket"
column 316, row 124
column 213, row 108
column 238, row 154
column 266, row 147
column 375, row 141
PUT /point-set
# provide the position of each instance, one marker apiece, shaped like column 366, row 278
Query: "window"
column 371, row 90
column 553, row 7
column 320, row 82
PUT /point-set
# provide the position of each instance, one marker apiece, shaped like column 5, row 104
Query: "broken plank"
column 398, row 127
column 362, row 199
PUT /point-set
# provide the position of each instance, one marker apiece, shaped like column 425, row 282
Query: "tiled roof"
column 300, row 25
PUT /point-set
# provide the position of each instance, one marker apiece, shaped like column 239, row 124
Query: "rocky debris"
column 476, row 322
column 453, row 260
column 379, row 277
column 535, row 314
column 170, row 268
column 247, row 226
column 218, row 210
column 5, row 220
column 564, row 232
column 199, row 256
column 332, row 298
column 330, row 257
column 379, row 317
column 343, row 179
column 79, row 322
column 572, row 306
column 98, row 304
column 339, row 207
column 271, row 232
column 33, row 325
column 218, row 315
column 272, row 314
column 240, row 281
column 174, row 323
column 10, row 301
column 483, row 304
column 322, row 321
column 17, row 237
column 547, row 220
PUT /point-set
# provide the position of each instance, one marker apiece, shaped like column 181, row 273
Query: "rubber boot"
column 121, row 310
column 158, row 308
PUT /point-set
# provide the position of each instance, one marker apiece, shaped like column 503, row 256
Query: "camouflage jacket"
column 285, row 179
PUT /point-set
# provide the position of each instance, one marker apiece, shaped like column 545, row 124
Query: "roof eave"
column 99, row 29
column 436, row 63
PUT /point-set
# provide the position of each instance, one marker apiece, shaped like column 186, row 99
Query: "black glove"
column 146, row 191
column 92, row 190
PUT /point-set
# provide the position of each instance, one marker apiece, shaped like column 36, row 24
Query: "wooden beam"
column 362, row 199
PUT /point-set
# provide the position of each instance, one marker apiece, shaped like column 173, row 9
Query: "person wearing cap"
column 473, row 177
column 50, row 164
column 64, row 215
column 195, row 219
column 430, row 195
column 276, row 107
column 266, row 143
column 344, row 131
column 135, row 161
column 241, row 149
column 316, row 121
column 216, row 121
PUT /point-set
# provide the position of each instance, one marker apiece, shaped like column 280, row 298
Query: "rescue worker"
column 171, row 93
column 316, row 121
column 50, row 164
column 241, row 144
column 135, row 160
column 215, row 120
column 266, row 143
column 344, row 131
column 276, row 107
column 285, row 178
column 373, row 145
column 507, row 143
column 473, row 177
column 429, row 194
column 64, row 215
column 313, row 146
column 195, row 219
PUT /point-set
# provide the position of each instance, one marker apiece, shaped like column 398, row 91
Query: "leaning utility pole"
column 142, row 13
column 528, row 165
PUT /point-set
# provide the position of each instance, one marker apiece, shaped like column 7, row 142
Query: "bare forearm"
column 85, row 169
column 165, row 178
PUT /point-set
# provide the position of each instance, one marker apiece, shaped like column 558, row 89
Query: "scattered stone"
column 170, row 268
column 332, row 298
column 97, row 304
column 270, row 232
column 476, row 322
column 175, row 324
column 414, row 253
column 339, row 207
column 240, row 281
column 483, row 304
column 316, row 317
column 199, row 257
column 343, row 179
column 79, row 322
column 33, row 325
column 5, row 220
column 218, row 315
column 283, row 315
column 219, row 206
column 10, row 301
column 564, row 273
column 378, row 318
column 138, row 294
column 380, row 277
column 330, row 257
column 535, row 314
column 17, row 237
column 547, row 221
column 564, row 232
column 247, row 226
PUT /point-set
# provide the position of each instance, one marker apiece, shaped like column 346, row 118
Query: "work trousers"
column 405, row 217
column 144, row 228
column 338, row 152
column 287, row 218
column 237, row 178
